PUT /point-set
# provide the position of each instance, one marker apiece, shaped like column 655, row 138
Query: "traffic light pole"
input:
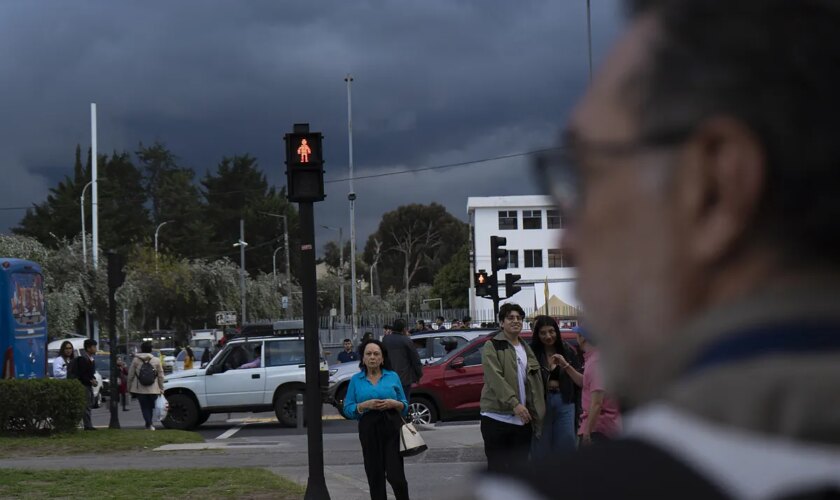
column 316, row 485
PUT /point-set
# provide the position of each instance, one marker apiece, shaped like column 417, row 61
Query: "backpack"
column 71, row 368
column 147, row 374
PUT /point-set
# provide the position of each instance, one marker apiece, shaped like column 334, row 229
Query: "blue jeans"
column 558, row 431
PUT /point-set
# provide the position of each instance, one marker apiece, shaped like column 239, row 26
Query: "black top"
column 85, row 369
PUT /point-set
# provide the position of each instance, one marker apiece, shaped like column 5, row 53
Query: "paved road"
column 257, row 440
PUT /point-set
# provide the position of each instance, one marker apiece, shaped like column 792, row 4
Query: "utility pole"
column 352, row 198
column 242, row 244
column 94, row 201
column 157, row 230
column 589, row 36
column 290, row 310
column 84, row 251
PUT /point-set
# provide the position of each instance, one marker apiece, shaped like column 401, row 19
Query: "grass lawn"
column 132, row 484
column 100, row 441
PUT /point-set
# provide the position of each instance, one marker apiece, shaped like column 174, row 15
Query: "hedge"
column 41, row 406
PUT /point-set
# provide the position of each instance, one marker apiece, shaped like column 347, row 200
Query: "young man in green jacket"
column 512, row 404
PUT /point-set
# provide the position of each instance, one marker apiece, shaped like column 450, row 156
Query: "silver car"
column 431, row 346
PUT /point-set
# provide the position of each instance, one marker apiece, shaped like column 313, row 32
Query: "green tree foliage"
column 123, row 216
column 452, row 282
column 416, row 241
column 58, row 217
column 239, row 190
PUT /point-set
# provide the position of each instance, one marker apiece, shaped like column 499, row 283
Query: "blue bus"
column 23, row 320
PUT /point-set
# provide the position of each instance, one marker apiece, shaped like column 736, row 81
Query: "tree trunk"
column 405, row 277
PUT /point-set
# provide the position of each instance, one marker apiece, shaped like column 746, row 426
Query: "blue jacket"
column 361, row 390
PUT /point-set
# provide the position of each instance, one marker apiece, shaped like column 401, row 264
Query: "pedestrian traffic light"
column 482, row 282
column 304, row 165
column 511, row 288
column 498, row 254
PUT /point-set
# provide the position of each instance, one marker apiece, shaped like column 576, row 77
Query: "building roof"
column 474, row 202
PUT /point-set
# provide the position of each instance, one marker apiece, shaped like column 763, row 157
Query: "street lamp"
column 288, row 266
column 242, row 244
column 341, row 263
column 157, row 230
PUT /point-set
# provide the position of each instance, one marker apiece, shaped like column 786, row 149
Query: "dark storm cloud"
column 436, row 82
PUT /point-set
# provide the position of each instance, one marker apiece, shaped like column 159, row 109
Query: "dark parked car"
column 451, row 387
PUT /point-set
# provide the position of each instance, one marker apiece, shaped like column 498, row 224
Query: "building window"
column 513, row 259
column 554, row 220
column 507, row 219
column 532, row 219
column 533, row 258
column 558, row 258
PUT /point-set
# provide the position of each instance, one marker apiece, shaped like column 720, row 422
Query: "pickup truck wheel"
column 422, row 411
column 202, row 417
column 285, row 407
column 183, row 413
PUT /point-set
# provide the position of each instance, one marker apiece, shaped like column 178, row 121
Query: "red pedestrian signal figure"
column 304, row 151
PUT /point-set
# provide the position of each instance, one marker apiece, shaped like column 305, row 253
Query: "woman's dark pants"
column 379, row 434
column 147, row 406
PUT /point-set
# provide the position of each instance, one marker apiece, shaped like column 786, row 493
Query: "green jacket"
column 500, row 393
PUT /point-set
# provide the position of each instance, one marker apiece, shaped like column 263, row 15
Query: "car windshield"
column 103, row 364
column 447, row 356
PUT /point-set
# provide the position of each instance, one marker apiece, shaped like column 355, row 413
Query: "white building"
column 532, row 226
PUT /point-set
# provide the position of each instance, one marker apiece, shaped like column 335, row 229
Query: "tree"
column 239, row 190
column 452, row 282
column 123, row 217
column 58, row 216
column 417, row 241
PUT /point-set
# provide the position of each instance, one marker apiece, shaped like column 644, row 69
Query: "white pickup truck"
column 225, row 386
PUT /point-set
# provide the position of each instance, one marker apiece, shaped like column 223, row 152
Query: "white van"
column 78, row 350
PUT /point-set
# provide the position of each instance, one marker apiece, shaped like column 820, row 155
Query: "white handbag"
column 411, row 442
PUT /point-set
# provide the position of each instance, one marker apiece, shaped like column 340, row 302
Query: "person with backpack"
column 145, row 381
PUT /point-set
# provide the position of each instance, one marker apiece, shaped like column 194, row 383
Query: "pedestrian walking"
column 699, row 178
column 189, row 358
column 403, row 355
column 512, row 399
column 375, row 398
column 145, row 381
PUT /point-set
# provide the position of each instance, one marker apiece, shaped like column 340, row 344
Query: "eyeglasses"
column 558, row 170
column 516, row 319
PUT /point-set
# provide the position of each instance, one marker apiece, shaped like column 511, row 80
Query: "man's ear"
column 720, row 188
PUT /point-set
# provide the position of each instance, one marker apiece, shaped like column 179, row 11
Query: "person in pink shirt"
column 600, row 419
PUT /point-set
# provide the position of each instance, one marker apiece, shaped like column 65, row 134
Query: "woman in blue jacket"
column 374, row 398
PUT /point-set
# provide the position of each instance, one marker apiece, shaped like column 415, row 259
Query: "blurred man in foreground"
column 701, row 180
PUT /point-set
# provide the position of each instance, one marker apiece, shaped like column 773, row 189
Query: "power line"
column 375, row 176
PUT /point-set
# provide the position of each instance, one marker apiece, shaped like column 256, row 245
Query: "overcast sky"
column 436, row 82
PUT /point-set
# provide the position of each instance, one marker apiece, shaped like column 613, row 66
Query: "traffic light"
column 304, row 165
column 498, row 254
column 511, row 287
column 482, row 282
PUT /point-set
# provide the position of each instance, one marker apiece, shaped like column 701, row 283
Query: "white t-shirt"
column 521, row 365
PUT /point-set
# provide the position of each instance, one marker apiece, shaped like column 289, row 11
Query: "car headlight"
column 333, row 371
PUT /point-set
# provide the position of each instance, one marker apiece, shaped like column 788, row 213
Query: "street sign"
column 224, row 318
column 333, row 312
column 285, row 302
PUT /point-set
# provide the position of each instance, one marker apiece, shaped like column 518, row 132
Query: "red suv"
column 451, row 387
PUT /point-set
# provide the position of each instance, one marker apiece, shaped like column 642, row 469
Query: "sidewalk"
column 455, row 453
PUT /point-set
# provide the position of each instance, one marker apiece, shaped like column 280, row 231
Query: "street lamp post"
column 352, row 198
column 157, row 230
column 288, row 265
column 242, row 244
column 84, row 250
column 341, row 263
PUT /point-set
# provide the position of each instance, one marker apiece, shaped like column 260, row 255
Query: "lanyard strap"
column 790, row 338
